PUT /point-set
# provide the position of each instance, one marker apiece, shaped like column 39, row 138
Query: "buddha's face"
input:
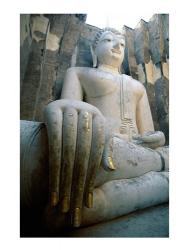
column 110, row 49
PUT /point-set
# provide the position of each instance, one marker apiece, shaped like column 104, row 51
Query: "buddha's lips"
column 116, row 51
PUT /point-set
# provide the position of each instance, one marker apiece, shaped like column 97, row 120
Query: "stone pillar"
column 84, row 57
column 129, row 36
column 54, row 39
column 70, row 36
column 158, row 28
column 25, row 44
column 32, row 78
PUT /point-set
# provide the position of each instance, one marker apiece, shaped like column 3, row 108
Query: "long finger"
column 98, row 139
column 68, row 156
column 53, row 120
column 81, row 164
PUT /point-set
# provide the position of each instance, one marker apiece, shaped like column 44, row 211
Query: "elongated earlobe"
column 94, row 57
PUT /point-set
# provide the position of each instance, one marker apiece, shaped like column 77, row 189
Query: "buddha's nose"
column 116, row 45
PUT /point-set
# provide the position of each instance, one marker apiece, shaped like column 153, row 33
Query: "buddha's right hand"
column 150, row 139
column 76, row 141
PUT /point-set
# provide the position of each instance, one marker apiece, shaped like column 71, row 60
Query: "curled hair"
column 100, row 32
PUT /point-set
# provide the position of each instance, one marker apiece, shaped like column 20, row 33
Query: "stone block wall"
column 52, row 43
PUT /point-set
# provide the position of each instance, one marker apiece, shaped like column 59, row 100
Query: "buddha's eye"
column 122, row 44
column 108, row 39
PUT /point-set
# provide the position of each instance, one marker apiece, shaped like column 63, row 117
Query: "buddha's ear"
column 94, row 56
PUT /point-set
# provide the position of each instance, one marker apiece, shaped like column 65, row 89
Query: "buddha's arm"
column 76, row 141
column 148, row 137
column 143, row 115
column 72, row 87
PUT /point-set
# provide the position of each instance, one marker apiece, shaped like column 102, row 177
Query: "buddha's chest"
column 115, row 98
column 97, row 84
column 111, row 93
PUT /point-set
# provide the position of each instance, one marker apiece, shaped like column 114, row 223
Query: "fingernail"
column 90, row 200
column 111, row 165
column 65, row 204
column 54, row 198
column 86, row 115
column 77, row 217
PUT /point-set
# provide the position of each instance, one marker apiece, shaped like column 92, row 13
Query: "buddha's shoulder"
column 137, row 85
column 81, row 70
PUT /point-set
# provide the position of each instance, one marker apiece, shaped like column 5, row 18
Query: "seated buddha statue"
column 101, row 130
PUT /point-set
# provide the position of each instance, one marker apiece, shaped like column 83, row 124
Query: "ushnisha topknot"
column 100, row 32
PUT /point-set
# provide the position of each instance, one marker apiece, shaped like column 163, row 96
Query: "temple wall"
column 52, row 43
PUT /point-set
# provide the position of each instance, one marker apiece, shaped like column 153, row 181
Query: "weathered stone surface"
column 32, row 78
column 69, row 40
column 53, row 40
column 25, row 44
column 129, row 36
column 141, row 43
column 150, row 222
column 84, row 57
column 162, row 105
column 165, row 69
column 155, row 38
column 33, row 164
column 46, row 92
column 125, row 65
column 165, row 31
column 31, row 82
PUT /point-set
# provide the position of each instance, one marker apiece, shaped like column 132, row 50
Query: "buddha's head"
column 108, row 48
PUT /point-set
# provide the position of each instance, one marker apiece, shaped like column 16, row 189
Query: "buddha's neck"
column 108, row 68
